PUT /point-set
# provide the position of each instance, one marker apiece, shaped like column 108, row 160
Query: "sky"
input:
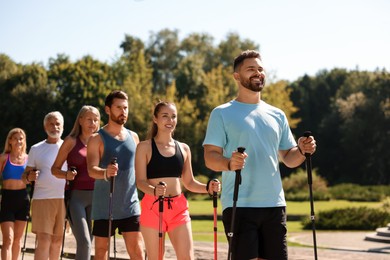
column 296, row 37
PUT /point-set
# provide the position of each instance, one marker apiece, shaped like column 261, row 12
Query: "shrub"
column 386, row 205
column 355, row 192
column 361, row 218
column 296, row 187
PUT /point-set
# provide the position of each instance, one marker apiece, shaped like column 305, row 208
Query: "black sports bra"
column 160, row 166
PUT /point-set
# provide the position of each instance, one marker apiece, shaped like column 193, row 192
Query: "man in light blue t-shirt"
column 260, row 221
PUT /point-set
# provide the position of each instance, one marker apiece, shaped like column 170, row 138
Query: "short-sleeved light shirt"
column 263, row 130
column 42, row 156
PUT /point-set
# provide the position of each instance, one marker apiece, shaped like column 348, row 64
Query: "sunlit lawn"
column 203, row 229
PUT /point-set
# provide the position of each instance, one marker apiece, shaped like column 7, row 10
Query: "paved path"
column 331, row 246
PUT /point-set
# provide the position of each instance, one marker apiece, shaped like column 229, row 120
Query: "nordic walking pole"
column 310, row 182
column 160, row 227
column 110, row 218
column 29, row 218
column 215, row 205
column 237, row 183
column 63, row 240
column 67, row 213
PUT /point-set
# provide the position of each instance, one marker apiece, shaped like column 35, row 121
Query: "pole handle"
column 113, row 161
column 307, row 134
column 215, row 199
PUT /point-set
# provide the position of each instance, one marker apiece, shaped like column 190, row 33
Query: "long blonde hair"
column 7, row 146
column 76, row 130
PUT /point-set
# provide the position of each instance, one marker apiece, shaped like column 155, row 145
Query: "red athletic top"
column 77, row 157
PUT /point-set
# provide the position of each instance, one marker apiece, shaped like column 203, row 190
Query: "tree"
column 135, row 76
column 233, row 46
column 32, row 96
column 357, row 131
column 163, row 51
column 190, row 76
column 202, row 46
column 85, row 82
column 278, row 95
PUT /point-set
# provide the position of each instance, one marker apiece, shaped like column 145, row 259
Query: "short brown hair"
column 115, row 94
column 245, row 55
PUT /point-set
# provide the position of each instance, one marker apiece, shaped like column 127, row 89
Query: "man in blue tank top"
column 260, row 226
column 115, row 141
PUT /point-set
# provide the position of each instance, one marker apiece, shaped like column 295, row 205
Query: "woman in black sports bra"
column 161, row 159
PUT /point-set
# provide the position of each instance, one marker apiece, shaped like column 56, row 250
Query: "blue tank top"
column 125, row 198
column 13, row 171
column 160, row 166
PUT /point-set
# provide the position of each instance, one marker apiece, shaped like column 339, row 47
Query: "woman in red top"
column 79, row 187
column 15, row 204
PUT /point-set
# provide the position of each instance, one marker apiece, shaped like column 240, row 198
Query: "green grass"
column 303, row 208
column 203, row 229
column 205, row 207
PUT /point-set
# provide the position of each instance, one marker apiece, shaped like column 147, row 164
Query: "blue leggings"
column 80, row 205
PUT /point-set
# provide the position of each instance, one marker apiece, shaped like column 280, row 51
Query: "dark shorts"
column 15, row 205
column 258, row 232
column 100, row 226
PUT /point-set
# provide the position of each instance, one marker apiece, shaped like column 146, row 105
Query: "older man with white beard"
column 48, row 209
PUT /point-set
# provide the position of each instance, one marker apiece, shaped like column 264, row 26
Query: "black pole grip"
column 238, row 177
column 307, row 134
column 308, row 161
column 113, row 161
column 241, row 149
column 215, row 199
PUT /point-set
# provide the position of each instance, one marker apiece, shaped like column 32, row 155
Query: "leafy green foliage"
column 296, row 187
column 354, row 192
column 361, row 218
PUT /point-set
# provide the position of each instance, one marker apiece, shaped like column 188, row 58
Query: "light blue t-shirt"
column 263, row 130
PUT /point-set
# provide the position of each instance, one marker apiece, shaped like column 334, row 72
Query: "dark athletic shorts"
column 258, row 232
column 15, row 205
column 100, row 226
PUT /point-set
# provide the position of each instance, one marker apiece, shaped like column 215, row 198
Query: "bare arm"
column 213, row 156
column 94, row 152
column 3, row 158
column 141, row 162
column 30, row 174
column 189, row 182
column 296, row 156
column 62, row 155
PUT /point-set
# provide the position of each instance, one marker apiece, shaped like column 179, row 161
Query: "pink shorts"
column 175, row 212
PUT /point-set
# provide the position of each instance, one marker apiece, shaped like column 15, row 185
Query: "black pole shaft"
column 237, row 183
column 310, row 182
column 28, row 220
column 312, row 214
column 110, row 216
